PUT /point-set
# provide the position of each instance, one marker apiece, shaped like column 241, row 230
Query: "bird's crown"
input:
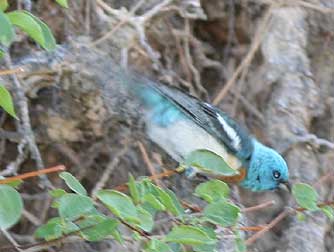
column 267, row 169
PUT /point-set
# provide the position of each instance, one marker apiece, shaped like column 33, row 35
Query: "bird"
column 180, row 123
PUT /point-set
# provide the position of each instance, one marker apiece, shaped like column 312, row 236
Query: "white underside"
column 183, row 137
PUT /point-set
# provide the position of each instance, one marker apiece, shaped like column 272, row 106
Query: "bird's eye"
column 276, row 174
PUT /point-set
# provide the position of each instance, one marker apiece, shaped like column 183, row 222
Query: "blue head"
column 267, row 169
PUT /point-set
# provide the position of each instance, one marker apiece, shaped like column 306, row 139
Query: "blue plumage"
column 180, row 124
column 267, row 169
column 163, row 112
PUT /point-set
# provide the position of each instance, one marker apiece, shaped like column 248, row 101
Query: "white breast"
column 183, row 137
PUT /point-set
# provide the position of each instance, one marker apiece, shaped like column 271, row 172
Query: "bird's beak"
column 285, row 186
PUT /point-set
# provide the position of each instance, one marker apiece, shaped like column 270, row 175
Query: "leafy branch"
column 79, row 215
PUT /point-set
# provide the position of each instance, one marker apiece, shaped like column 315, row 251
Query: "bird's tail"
column 140, row 90
column 161, row 110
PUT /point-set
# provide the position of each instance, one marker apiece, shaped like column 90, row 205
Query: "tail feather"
column 122, row 90
column 160, row 110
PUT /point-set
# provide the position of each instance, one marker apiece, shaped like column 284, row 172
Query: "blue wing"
column 170, row 104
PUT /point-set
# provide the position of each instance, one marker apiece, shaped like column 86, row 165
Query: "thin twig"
column 315, row 7
column 69, row 153
column 109, row 34
column 192, row 207
column 164, row 174
column 139, row 231
column 139, row 23
column 328, row 176
column 107, row 8
column 25, row 125
column 279, row 218
column 118, row 25
column 12, row 71
column 239, row 89
column 189, row 60
column 249, row 106
column 259, row 206
column 180, row 51
column 149, row 163
column 155, row 10
column 109, row 169
column 231, row 30
column 11, row 240
column 314, row 140
column 32, row 218
column 87, row 16
column 33, row 174
column 259, row 34
column 252, row 228
column 273, row 223
column 13, row 167
column 294, row 3
column 46, row 244
column 38, row 246
column 320, row 205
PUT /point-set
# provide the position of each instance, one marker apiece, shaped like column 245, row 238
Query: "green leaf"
column 133, row 189
column 73, row 183
column 222, row 213
column 100, row 231
column 328, row 211
column 154, row 202
column 240, row 245
column 6, row 29
column 301, row 216
column 159, row 196
column 55, row 203
column 57, row 193
column 72, row 206
column 209, row 162
column 306, row 196
column 117, row 236
column 148, row 207
column 3, row 5
column 212, row 190
column 168, row 198
column 28, row 24
column 2, row 53
column 146, row 220
column 50, row 231
column 119, row 204
column 49, row 40
column 69, row 227
column 6, row 101
column 207, row 247
column 15, row 183
column 90, row 220
column 34, row 27
column 11, row 206
column 155, row 245
column 189, row 235
column 144, row 187
column 62, row 3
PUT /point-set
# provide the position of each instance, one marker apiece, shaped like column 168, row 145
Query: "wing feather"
column 210, row 118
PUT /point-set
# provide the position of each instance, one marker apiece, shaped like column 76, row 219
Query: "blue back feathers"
column 266, row 169
column 163, row 112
